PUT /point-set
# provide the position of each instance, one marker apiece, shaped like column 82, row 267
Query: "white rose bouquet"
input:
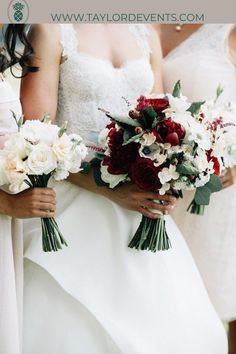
column 37, row 152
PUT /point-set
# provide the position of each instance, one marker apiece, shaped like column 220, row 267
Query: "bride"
column 98, row 296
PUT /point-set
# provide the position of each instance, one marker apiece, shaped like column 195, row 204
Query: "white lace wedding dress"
column 211, row 238
column 98, row 296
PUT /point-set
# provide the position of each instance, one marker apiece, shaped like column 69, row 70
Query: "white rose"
column 18, row 145
column 62, row 148
column 41, row 160
column 16, row 172
column 112, row 180
column 36, row 132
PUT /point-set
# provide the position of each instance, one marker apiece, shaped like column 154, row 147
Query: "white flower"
column 3, row 177
column 60, row 174
column 16, row 172
column 202, row 180
column 35, row 131
column 178, row 104
column 148, row 139
column 62, row 147
column 165, row 187
column 168, row 174
column 198, row 134
column 17, row 144
column 112, row 180
column 201, row 160
column 155, row 152
column 41, row 160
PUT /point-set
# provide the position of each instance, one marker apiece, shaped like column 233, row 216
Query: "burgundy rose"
column 121, row 157
column 158, row 104
column 145, row 175
column 111, row 125
column 215, row 161
column 170, row 132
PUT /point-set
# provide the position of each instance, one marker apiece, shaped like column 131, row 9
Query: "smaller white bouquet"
column 37, row 152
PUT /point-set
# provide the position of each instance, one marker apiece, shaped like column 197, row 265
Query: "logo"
column 18, row 11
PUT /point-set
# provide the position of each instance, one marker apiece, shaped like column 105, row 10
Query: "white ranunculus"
column 168, row 174
column 41, row 160
column 112, row 180
column 62, row 148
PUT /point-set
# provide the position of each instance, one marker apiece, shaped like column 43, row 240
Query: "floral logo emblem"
column 18, row 11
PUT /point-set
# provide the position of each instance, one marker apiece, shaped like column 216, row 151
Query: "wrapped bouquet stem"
column 151, row 234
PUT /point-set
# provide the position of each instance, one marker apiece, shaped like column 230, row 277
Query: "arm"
column 39, row 93
column 156, row 59
column 34, row 202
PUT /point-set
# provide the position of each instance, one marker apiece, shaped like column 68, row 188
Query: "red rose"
column 121, row 157
column 167, row 131
column 158, row 104
column 145, row 175
column 215, row 161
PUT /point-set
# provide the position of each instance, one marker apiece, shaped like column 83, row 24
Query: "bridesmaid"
column 202, row 57
column 30, row 203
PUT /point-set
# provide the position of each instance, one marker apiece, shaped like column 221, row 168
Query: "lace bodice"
column 202, row 62
column 88, row 83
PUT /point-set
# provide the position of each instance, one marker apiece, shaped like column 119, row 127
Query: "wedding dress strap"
column 68, row 39
column 141, row 35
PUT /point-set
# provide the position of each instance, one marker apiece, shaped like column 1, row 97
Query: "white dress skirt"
column 11, row 246
column 97, row 296
column 202, row 62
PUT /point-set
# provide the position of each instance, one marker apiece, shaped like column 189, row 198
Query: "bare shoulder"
column 232, row 39
column 45, row 37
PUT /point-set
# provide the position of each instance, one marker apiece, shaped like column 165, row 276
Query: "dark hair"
column 13, row 35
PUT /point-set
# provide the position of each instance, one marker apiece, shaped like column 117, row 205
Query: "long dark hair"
column 10, row 56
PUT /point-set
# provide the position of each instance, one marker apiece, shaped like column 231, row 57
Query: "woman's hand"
column 129, row 197
column 32, row 203
column 229, row 178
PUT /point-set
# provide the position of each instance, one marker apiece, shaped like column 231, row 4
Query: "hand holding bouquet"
column 161, row 145
column 30, row 157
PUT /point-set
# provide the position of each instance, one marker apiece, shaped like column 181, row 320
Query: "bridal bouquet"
column 161, row 145
column 38, row 151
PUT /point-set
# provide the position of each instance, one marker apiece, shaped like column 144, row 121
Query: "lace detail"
column 209, row 37
column 88, row 83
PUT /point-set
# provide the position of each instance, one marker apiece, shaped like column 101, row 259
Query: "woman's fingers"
column 164, row 208
column 148, row 213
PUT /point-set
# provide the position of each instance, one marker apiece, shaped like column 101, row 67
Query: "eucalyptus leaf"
column 186, row 169
column 202, row 195
column 177, row 89
column 214, row 184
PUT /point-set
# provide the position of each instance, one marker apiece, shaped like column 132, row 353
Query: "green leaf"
column 219, row 91
column 195, row 107
column 126, row 120
column 202, row 195
column 214, row 184
column 132, row 139
column 62, row 130
column 186, row 169
column 148, row 117
column 177, row 89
